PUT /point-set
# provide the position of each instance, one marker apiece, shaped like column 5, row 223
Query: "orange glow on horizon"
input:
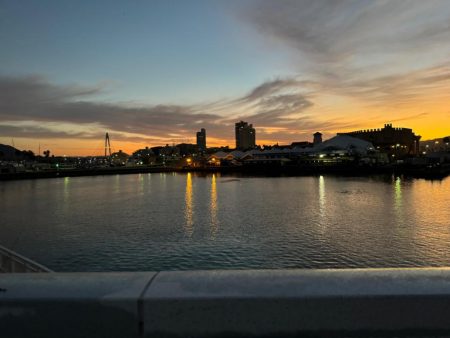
column 429, row 126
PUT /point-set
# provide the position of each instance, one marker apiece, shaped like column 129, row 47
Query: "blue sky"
column 154, row 72
column 144, row 51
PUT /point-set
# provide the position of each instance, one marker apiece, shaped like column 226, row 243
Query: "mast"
column 107, row 145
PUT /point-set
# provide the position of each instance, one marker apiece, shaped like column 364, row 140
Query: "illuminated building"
column 245, row 136
column 394, row 141
column 201, row 139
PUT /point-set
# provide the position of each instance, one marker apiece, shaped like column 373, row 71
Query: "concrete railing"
column 262, row 303
column 11, row 261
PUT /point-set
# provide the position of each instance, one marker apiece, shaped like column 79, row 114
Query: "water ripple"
column 178, row 222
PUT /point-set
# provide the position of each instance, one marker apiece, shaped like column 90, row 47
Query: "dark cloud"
column 31, row 107
column 32, row 95
column 281, row 110
column 40, row 132
column 278, row 102
column 270, row 87
column 34, row 99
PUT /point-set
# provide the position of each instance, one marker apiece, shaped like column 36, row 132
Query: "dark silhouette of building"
column 145, row 156
column 201, row 139
column 188, row 149
column 245, row 136
column 302, row 144
column 317, row 138
column 394, row 141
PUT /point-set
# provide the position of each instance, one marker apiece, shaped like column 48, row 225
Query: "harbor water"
column 175, row 221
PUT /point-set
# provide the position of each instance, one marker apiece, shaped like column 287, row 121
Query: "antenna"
column 12, row 143
column 107, row 145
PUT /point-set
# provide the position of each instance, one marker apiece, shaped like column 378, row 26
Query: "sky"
column 154, row 72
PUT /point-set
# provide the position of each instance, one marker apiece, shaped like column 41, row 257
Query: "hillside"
column 9, row 153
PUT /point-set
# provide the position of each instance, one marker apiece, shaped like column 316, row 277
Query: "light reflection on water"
column 213, row 207
column 189, row 221
column 398, row 201
column 322, row 201
column 188, row 206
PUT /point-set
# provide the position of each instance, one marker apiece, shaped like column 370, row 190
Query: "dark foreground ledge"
column 248, row 303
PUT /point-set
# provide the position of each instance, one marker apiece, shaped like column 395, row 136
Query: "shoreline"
column 434, row 173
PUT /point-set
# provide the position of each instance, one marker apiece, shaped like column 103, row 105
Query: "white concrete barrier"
column 247, row 303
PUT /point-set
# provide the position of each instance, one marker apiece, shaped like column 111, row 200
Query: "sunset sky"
column 155, row 72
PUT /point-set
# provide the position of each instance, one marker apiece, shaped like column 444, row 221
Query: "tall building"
column 395, row 141
column 201, row 139
column 317, row 138
column 245, row 136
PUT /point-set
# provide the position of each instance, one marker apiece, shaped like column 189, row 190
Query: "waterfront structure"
column 169, row 152
column 301, row 144
column 335, row 150
column 222, row 157
column 343, row 144
column 201, row 139
column 119, row 158
column 245, row 136
column 186, row 149
column 219, row 158
column 394, row 141
column 435, row 145
column 317, row 138
column 143, row 152
column 142, row 156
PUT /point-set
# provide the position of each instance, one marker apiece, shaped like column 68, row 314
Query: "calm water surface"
column 184, row 221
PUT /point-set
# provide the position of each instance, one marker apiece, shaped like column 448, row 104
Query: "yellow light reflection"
column 398, row 192
column 188, row 213
column 141, row 183
column 398, row 200
column 322, row 196
column 213, row 207
column 117, row 184
column 66, row 188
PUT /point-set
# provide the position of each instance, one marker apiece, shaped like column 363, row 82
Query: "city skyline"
column 152, row 73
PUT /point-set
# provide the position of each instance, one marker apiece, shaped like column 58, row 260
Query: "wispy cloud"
column 33, row 107
column 384, row 52
column 333, row 31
